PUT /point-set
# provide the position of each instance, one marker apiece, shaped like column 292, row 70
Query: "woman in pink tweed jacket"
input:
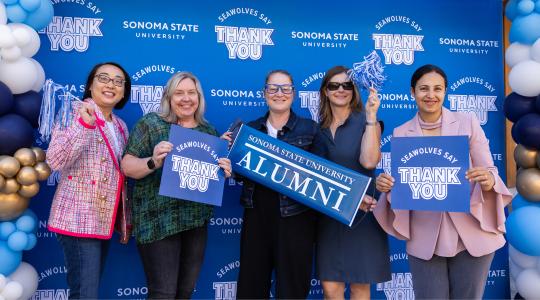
column 449, row 252
column 87, row 155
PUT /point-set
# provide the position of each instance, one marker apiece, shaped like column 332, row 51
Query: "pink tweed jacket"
column 91, row 182
column 481, row 230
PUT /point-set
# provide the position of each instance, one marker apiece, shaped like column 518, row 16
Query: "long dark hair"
column 127, row 83
column 423, row 70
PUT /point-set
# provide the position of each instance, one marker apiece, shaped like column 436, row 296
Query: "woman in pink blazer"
column 449, row 252
column 87, row 155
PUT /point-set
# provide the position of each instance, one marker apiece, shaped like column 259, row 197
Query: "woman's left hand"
column 372, row 105
column 481, row 175
column 368, row 203
column 225, row 164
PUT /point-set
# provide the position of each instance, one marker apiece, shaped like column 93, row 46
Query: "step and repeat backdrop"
column 230, row 46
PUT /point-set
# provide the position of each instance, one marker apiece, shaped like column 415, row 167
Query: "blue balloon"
column 522, row 230
column 525, row 7
column 40, row 18
column 6, row 228
column 26, row 224
column 537, row 6
column 17, row 131
column 528, row 130
column 516, row 106
column 10, row 259
column 9, row 2
column 28, row 106
column 32, row 241
column 16, row 14
column 519, row 202
column 511, row 10
column 525, row 29
column 30, row 213
column 6, row 99
column 17, row 241
column 32, row 5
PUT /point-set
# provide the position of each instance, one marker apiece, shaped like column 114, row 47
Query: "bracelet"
column 368, row 123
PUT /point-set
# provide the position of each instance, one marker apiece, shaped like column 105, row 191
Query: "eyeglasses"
column 274, row 88
column 334, row 86
column 104, row 78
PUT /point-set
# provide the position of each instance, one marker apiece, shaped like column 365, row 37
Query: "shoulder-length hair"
column 127, row 83
column 165, row 110
column 325, row 111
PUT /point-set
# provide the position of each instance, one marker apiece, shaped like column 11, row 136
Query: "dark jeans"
column 85, row 260
column 460, row 277
column 172, row 265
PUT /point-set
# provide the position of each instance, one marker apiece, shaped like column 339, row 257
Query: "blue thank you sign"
column 291, row 171
column 191, row 170
column 430, row 173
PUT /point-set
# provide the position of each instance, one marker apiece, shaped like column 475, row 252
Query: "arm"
column 371, row 150
column 137, row 168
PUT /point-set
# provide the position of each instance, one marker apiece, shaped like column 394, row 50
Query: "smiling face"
column 185, row 100
column 278, row 102
column 340, row 97
column 107, row 95
column 429, row 93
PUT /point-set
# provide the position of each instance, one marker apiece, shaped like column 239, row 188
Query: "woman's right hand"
column 227, row 136
column 160, row 151
column 87, row 113
column 384, row 182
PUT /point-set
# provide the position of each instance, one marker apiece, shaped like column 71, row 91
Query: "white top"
column 115, row 144
column 271, row 130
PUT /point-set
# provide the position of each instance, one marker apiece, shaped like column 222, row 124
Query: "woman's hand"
column 227, row 136
column 481, row 175
column 368, row 203
column 384, row 182
column 160, row 151
column 372, row 105
column 225, row 164
column 87, row 113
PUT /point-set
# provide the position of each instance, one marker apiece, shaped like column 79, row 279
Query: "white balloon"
column 27, row 34
column 40, row 76
column 3, row 281
column 28, row 277
column 524, row 78
column 517, row 53
column 523, row 261
column 12, row 291
column 535, row 50
column 3, row 15
column 19, row 75
column 527, row 284
column 6, row 38
column 514, row 269
column 10, row 54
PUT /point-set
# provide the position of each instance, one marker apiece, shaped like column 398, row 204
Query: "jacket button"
column 104, row 179
column 103, row 159
column 102, row 197
column 100, row 140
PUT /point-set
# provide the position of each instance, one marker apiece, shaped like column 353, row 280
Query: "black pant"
column 172, row 265
column 270, row 242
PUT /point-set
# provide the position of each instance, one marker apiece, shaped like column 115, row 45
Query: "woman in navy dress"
column 350, row 137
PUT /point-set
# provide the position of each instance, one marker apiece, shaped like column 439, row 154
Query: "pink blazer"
column 87, row 196
column 481, row 230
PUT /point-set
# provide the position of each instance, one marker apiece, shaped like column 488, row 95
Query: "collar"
column 291, row 123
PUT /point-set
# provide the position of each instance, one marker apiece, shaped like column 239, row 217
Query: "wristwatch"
column 150, row 163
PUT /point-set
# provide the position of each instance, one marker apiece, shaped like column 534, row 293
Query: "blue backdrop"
column 230, row 46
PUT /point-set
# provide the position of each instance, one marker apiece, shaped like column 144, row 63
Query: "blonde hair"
column 165, row 111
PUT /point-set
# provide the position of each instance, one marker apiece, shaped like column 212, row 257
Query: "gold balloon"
column 12, row 206
column 26, row 157
column 40, row 154
column 525, row 157
column 29, row 191
column 43, row 170
column 27, row 176
column 2, row 182
column 9, row 166
column 11, row 186
column 528, row 184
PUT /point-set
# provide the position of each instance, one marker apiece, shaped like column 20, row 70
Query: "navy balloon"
column 528, row 130
column 538, row 104
column 15, row 133
column 28, row 106
column 6, row 99
column 516, row 106
column 515, row 136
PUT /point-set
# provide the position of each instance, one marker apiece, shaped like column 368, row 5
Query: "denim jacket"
column 298, row 132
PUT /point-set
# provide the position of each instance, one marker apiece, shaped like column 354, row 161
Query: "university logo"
column 479, row 103
column 238, row 97
column 309, row 99
column 468, row 46
column 72, row 33
column 400, row 287
column 159, row 30
column 149, row 96
column 244, row 42
column 398, row 48
column 324, row 39
column 227, row 225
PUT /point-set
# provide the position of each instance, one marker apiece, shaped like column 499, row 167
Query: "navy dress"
column 357, row 254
